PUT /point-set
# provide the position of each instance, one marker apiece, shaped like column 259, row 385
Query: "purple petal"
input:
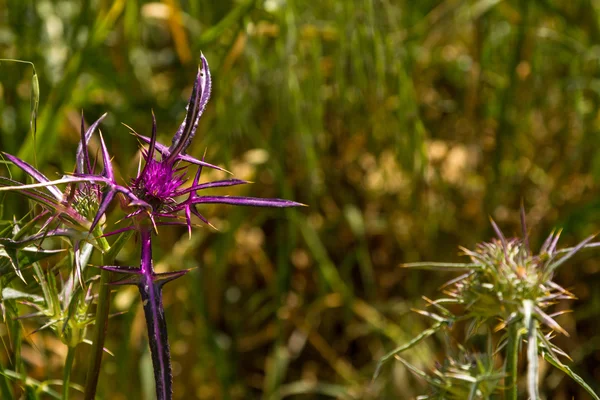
column 37, row 175
column 195, row 108
column 245, row 201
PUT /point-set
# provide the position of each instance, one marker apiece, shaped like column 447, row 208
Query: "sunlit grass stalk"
column 512, row 362
column 108, row 256
column 5, row 390
column 67, row 372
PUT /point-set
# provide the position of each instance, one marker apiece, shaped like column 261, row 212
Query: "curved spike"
column 188, row 220
column 501, row 237
column 82, row 156
column 121, row 269
column 107, row 197
column 84, row 149
column 164, row 151
column 195, row 108
column 151, row 147
column 524, row 227
column 165, row 277
column 201, row 217
column 108, row 171
column 35, row 174
column 246, row 201
column 214, row 184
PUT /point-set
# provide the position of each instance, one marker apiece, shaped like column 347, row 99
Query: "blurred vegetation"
column 403, row 125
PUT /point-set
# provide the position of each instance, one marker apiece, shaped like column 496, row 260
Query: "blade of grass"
column 555, row 362
column 416, row 340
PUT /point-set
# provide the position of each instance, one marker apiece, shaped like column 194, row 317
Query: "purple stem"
column 151, row 292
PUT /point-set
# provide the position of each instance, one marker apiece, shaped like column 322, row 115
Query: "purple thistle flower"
column 84, row 199
column 158, row 188
column 160, row 184
column 158, row 193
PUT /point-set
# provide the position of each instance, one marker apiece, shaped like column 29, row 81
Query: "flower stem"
column 67, row 372
column 150, row 292
column 512, row 358
column 100, row 325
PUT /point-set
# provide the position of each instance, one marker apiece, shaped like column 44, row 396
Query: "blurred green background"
column 402, row 124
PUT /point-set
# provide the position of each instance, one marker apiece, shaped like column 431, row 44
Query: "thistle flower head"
column 160, row 184
column 506, row 287
column 79, row 204
column 505, row 275
column 159, row 190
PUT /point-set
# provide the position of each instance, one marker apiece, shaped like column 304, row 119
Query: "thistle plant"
column 161, row 194
column 507, row 292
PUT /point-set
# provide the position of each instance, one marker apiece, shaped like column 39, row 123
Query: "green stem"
column 512, row 358
column 101, row 323
column 99, row 334
column 67, row 372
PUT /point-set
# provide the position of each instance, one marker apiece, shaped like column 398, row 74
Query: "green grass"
column 402, row 124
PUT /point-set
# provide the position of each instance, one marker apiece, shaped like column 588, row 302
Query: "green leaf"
column 10, row 255
column 17, row 258
column 304, row 387
column 35, row 100
column 548, row 356
column 417, row 339
column 14, row 294
column 40, row 387
column 441, row 266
